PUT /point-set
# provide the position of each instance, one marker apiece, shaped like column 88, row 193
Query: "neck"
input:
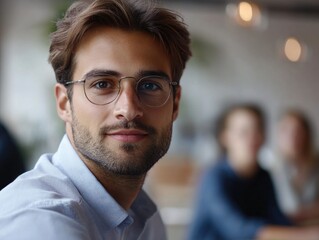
column 124, row 189
column 243, row 167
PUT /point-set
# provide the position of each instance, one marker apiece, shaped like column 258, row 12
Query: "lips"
column 128, row 135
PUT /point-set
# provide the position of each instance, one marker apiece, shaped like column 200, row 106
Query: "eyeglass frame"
column 171, row 83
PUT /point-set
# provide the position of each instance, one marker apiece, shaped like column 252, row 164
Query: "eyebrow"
column 153, row 72
column 140, row 74
column 101, row 72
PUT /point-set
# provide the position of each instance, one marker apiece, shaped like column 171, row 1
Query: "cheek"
column 89, row 115
column 240, row 142
column 156, row 120
column 233, row 142
column 160, row 117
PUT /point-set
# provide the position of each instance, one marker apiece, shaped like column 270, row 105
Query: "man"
column 118, row 64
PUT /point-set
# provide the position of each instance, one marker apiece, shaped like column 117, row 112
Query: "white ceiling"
column 291, row 2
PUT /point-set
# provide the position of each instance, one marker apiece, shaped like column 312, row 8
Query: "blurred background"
column 265, row 52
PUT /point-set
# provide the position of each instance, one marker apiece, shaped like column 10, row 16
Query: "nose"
column 127, row 105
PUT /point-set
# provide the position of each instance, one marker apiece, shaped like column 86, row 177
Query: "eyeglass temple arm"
column 73, row 82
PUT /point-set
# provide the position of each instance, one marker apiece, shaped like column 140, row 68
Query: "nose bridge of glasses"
column 133, row 79
column 130, row 86
column 134, row 82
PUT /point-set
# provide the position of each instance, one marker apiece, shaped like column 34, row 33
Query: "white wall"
column 26, row 99
column 246, row 64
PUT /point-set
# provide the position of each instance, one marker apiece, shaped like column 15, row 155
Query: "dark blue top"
column 11, row 162
column 233, row 208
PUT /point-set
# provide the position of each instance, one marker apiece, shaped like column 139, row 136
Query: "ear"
column 177, row 99
column 63, row 104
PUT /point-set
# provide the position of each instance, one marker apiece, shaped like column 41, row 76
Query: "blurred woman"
column 296, row 173
column 236, row 200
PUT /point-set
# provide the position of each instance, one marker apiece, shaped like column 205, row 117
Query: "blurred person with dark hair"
column 295, row 171
column 11, row 161
column 236, row 200
column 118, row 65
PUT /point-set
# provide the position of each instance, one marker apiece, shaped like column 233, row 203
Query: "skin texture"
column 119, row 142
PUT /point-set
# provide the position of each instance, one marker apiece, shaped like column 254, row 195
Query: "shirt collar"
column 90, row 189
column 143, row 207
column 94, row 194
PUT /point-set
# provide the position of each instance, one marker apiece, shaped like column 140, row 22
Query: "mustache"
column 127, row 125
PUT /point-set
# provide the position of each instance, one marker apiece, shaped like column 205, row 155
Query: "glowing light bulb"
column 245, row 11
column 246, row 14
column 293, row 50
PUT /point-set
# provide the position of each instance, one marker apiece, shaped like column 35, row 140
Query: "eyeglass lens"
column 153, row 91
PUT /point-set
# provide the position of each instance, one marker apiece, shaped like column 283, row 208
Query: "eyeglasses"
column 152, row 91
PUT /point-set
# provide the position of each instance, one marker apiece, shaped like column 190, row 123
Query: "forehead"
column 241, row 115
column 291, row 122
column 126, row 52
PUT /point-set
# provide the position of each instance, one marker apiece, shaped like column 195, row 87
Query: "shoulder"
column 8, row 146
column 41, row 202
column 3, row 131
column 219, row 172
column 215, row 181
column 44, row 187
column 40, row 223
column 5, row 138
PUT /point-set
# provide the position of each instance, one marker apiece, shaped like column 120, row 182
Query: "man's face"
column 124, row 137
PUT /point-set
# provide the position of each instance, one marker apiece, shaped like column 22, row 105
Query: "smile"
column 128, row 136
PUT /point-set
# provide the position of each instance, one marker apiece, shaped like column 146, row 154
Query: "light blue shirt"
column 60, row 199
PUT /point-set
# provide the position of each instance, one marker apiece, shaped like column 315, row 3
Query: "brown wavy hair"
column 164, row 25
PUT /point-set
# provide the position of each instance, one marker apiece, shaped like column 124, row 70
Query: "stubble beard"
column 128, row 159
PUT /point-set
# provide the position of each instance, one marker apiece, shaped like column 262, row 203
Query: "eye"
column 149, row 86
column 102, row 83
